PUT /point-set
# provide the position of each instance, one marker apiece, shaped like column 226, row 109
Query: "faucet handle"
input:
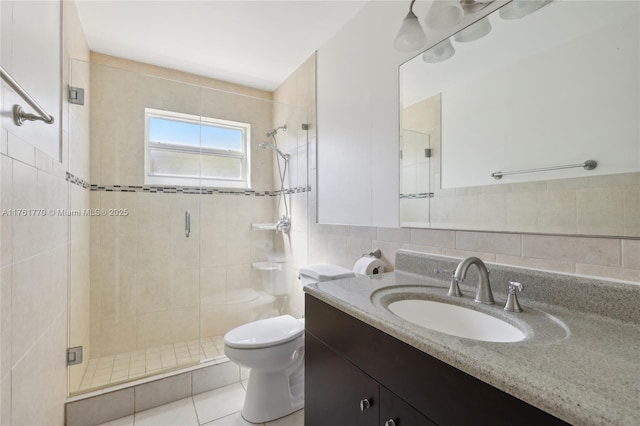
column 454, row 289
column 512, row 304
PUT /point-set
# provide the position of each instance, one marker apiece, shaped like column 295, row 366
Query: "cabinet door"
column 335, row 390
column 395, row 412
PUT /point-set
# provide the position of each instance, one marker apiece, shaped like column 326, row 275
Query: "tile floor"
column 114, row 369
column 219, row 407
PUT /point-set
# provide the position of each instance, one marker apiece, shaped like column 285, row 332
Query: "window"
column 185, row 149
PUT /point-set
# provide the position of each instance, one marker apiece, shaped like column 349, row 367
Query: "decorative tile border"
column 202, row 190
column 419, row 195
column 70, row 177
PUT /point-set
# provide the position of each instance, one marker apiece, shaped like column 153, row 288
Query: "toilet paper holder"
column 376, row 253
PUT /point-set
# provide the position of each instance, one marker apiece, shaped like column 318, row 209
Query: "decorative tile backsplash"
column 203, row 190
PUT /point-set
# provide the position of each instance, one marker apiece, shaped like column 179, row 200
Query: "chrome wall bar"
column 587, row 165
column 19, row 116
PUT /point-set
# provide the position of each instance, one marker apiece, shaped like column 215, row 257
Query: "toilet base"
column 273, row 395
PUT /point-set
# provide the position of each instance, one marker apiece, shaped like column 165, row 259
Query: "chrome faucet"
column 483, row 292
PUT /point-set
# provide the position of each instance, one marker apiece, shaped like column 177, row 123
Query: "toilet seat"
column 264, row 333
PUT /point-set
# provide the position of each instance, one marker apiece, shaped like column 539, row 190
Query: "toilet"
column 273, row 349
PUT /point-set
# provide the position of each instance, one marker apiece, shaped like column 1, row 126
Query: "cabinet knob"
column 364, row 404
column 390, row 422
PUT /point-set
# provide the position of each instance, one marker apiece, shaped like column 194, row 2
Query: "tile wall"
column 35, row 249
column 151, row 286
column 298, row 90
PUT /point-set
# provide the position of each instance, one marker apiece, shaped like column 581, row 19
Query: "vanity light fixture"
column 439, row 53
column 444, row 14
column 411, row 36
column 474, row 32
column 520, row 8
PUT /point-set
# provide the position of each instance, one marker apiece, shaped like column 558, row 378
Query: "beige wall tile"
column 152, row 330
column 38, row 381
column 337, row 251
column 623, row 179
column 5, row 322
column 152, row 292
column 544, row 264
column 522, row 211
column 20, row 150
column 631, row 254
column 631, row 209
column 600, row 211
column 557, row 212
column 631, row 275
column 492, row 212
column 238, row 276
column 487, row 257
column 6, row 202
column 26, row 240
column 433, row 238
column 596, row 251
column 185, row 288
column 564, row 184
column 364, row 232
column 489, row 242
column 5, row 400
column 44, row 275
column 394, row 235
column 422, row 249
column 213, row 282
column 116, row 335
column 185, row 324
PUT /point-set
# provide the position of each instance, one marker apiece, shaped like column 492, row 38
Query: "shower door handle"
column 187, row 223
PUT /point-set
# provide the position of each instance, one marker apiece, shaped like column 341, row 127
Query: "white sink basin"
column 456, row 320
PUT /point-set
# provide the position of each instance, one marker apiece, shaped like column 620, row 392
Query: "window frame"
column 181, row 180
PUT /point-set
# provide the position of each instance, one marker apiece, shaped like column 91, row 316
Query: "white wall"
column 358, row 131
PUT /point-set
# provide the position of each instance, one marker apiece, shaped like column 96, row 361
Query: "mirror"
column 532, row 96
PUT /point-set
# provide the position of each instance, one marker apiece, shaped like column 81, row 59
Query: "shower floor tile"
column 112, row 369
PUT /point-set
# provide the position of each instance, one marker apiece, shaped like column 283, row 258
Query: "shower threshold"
column 121, row 368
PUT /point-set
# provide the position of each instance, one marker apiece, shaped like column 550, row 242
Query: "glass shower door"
column 134, row 296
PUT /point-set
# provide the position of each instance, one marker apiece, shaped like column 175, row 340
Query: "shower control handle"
column 187, row 223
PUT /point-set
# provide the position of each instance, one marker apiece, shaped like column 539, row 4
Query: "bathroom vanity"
column 366, row 366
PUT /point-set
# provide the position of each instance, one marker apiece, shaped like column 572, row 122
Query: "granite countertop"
column 581, row 367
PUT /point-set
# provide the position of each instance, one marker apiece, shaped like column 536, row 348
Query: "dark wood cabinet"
column 348, row 361
column 337, row 390
column 341, row 394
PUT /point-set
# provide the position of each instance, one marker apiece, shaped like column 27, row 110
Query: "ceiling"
column 253, row 43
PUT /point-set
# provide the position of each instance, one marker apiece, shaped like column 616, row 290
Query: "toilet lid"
column 325, row 272
column 264, row 333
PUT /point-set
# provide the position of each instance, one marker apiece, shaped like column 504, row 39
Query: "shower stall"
column 182, row 240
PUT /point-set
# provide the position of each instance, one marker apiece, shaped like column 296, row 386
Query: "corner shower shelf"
column 263, row 226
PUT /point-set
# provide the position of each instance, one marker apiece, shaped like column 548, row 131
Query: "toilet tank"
column 323, row 272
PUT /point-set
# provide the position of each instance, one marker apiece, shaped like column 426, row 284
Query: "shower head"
column 273, row 132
